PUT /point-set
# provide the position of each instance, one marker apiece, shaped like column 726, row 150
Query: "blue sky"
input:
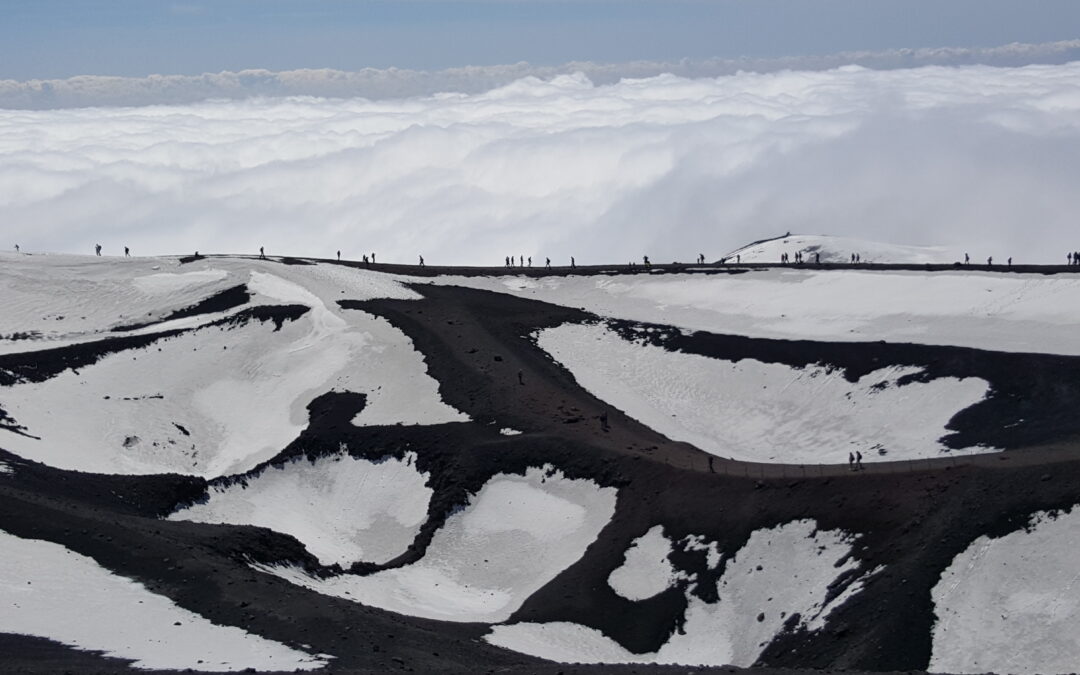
column 63, row 38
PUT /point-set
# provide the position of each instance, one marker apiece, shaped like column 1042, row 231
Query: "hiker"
column 604, row 426
column 373, row 257
column 851, row 462
column 852, row 258
column 530, row 261
column 521, row 377
column 127, row 252
column 421, row 261
column 990, row 261
column 97, row 249
column 967, row 259
column 738, row 259
column 339, row 256
column 262, row 254
column 547, row 263
column 521, row 261
column 817, row 258
column 645, row 259
column 573, row 263
column 1009, row 261
column 858, row 461
column 364, row 258
column 858, row 258
column 16, row 248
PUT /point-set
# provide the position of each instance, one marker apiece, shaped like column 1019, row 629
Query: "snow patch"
column 342, row 509
column 507, row 431
column 779, row 572
column 764, row 412
column 646, row 570
column 515, row 535
column 6, row 468
column 52, row 592
column 1009, row 605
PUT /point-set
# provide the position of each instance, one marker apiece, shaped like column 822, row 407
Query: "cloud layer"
column 375, row 83
column 972, row 157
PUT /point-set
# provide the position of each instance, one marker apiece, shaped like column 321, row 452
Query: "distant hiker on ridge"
column 1009, row 261
column 817, row 258
column 967, row 259
column 530, row 261
column 127, row 252
column 573, row 263
column 339, row 256
column 373, row 257
column 851, row 461
column 97, row 249
column 16, row 248
column 521, row 377
column 547, row 263
column 262, row 253
column 990, row 261
column 421, row 261
column 858, row 461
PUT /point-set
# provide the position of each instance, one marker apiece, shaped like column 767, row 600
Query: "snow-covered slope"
column 778, row 573
column 829, row 249
column 514, row 536
column 224, row 394
column 1004, row 312
column 343, row 509
column 764, row 412
column 49, row 591
column 1009, row 605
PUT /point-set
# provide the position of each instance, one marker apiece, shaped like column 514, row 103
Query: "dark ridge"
column 1031, row 400
column 221, row 301
column 294, row 261
column 278, row 314
column 41, row 655
column 191, row 258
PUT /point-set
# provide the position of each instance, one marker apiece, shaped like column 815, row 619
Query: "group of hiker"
column 1074, row 258
column 799, row 258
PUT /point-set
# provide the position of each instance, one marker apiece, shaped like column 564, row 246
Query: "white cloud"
column 974, row 156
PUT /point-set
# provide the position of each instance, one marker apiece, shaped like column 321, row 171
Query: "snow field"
column 779, row 572
column 69, row 299
column 763, row 412
column 515, row 535
column 219, row 400
column 646, row 570
column 49, row 591
column 1009, row 605
column 986, row 310
column 839, row 250
column 342, row 509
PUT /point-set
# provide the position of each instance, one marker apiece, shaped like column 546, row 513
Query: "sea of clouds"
column 974, row 157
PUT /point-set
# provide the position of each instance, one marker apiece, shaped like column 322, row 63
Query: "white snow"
column 49, row 591
column 507, row 431
column 987, row 310
column 240, row 393
column 515, row 535
column 342, row 509
column 764, row 412
column 6, row 468
column 1009, row 605
column 697, row 542
column 839, row 249
column 646, row 570
column 168, row 283
column 778, row 572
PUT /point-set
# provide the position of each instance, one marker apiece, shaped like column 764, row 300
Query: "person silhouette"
column 547, row 263
column 127, row 252
column 421, row 261
column 262, row 253
column 97, row 249
column 573, row 263
column 339, row 256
